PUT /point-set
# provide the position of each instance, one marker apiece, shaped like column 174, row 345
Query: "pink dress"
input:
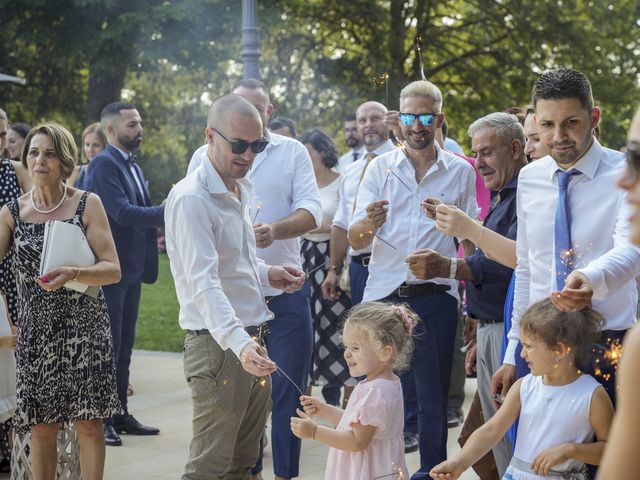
column 377, row 403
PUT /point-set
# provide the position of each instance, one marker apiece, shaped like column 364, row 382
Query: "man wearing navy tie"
column 121, row 186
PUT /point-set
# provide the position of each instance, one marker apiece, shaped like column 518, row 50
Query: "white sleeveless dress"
column 549, row 416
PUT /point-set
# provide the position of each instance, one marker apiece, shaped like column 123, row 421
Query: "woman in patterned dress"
column 329, row 366
column 14, row 181
column 65, row 362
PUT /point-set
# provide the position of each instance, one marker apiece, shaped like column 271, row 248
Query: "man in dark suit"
column 119, row 182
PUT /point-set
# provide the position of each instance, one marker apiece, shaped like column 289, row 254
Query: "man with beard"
column 354, row 141
column 389, row 216
column 118, row 180
column 570, row 197
column 368, row 124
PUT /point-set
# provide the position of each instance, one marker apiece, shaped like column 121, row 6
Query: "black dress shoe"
column 129, row 425
column 410, row 442
column 111, row 437
column 455, row 417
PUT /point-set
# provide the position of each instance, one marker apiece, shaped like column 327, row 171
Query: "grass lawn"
column 158, row 327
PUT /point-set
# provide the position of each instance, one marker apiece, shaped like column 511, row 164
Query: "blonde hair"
column 386, row 324
column 97, row 129
column 64, row 146
column 422, row 88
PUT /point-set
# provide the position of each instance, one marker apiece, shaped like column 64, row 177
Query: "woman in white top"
column 329, row 367
column 560, row 408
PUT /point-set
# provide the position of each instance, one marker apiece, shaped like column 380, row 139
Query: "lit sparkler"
column 397, row 473
column 307, row 274
column 390, row 171
column 280, row 371
column 419, row 55
column 371, row 232
column 258, row 206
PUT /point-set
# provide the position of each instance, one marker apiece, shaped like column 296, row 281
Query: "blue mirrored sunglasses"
column 425, row 119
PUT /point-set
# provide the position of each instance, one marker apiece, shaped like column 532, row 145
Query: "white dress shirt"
column 347, row 159
column 450, row 179
column 283, row 182
column 349, row 182
column 131, row 169
column 212, row 249
column 599, row 237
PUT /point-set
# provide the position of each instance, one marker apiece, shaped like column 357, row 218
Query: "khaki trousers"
column 230, row 409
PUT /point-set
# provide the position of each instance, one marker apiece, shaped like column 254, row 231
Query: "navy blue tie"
column 563, row 250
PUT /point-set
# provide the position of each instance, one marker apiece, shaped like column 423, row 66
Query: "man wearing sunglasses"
column 573, row 223
column 389, row 217
column 285, row 204
column 219, row 283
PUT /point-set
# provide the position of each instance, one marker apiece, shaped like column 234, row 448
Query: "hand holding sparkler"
column 392, row 122
column 264, row 234
column 429, row 206
column 312, row 406
column 449, row 470
column 377, row 213
column 255, row 360
column 454, row 222
column 287, row 279
column 575, row 295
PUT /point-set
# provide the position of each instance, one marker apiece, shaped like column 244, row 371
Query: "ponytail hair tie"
column 404, row 315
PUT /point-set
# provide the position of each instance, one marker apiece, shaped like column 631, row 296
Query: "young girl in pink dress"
column 367, row 441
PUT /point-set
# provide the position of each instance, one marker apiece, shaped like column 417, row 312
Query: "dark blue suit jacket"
column 131, row 216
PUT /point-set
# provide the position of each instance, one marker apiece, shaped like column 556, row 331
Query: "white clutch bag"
column 65, row 246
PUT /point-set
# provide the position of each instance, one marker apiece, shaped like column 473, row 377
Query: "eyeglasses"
column 633, row 160
column 425, row 119
column 240, row 146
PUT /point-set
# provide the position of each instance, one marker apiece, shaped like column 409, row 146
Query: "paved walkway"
column 162, row 399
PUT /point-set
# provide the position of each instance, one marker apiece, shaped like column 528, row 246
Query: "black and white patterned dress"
column 9, row 191
column 65, row 362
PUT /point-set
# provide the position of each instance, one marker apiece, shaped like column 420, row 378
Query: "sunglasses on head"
column 240, row 146
column 633, row 159
column 425, row 119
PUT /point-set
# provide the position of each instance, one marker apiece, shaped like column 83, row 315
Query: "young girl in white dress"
column 367, row 441
column 560, row 408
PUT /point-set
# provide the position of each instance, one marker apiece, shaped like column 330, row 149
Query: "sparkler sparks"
column 397, row 473
column 371, row 232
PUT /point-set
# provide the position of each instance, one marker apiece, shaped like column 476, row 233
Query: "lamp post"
column 250, row 53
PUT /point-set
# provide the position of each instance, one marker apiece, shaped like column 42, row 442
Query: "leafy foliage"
column 171, row 57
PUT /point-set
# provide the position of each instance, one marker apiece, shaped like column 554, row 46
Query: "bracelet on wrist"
column 453, row 268
column 77, row 275
column 333, row 268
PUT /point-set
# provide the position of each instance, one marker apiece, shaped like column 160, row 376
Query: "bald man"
column 219, row 284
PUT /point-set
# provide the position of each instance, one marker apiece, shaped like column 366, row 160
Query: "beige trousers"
column 230, row 409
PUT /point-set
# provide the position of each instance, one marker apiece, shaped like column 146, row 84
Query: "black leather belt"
column 257, row 332
column 414, row 290
column 362, row 259
column 489, row 321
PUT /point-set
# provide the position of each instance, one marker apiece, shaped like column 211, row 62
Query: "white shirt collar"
column 215, row 185
column 587, row 165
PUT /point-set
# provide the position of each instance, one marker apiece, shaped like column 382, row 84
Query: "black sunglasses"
column 240, row 146
column 632, row 153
